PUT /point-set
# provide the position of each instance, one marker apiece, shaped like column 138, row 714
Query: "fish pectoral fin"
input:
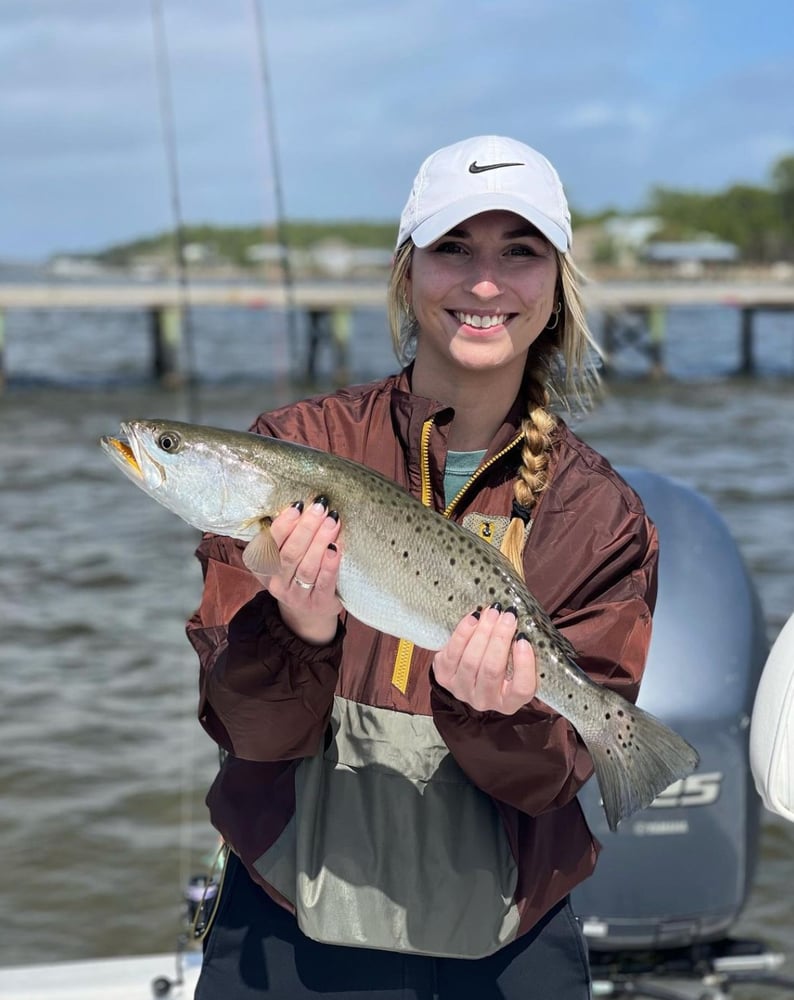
column 261, row 555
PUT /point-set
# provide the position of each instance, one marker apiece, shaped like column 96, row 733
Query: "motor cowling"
column 679, row 872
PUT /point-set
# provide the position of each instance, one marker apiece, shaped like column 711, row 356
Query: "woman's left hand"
column 486, row 665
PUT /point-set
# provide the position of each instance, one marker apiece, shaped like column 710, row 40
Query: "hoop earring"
column 554, row 319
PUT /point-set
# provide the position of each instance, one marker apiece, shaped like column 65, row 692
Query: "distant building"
column 690, row 258
column 269, row 259
column 617, row 241
column 72, row 266
column 338, row 259
column 264, row 253
column 150, row 266
column 200, row 253
column 631, row 232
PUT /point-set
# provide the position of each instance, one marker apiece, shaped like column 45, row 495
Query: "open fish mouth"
column 121, row 451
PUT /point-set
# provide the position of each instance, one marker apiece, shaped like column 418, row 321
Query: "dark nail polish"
column 522, row 637
column 512, row 610
column 332, row 547
column 476, row 614
column 321, row 500
column 497, row 605
column 298, row 505
column 334, row 514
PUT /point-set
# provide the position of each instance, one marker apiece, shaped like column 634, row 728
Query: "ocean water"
column 103, row 768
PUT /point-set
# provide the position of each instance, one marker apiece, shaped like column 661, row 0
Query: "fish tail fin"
column 635, row 758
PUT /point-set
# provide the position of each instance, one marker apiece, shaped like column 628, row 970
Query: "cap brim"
column 437, row 225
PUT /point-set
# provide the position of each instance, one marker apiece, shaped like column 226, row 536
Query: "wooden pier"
column 633, row 311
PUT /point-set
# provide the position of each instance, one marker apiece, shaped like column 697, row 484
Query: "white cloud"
column 600, row 114
column 620, row 95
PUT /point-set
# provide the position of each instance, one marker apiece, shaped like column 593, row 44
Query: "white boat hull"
column 104, row 979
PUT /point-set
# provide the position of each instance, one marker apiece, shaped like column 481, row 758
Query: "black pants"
column 255, row 949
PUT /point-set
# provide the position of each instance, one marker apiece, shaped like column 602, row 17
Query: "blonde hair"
column 561, row 366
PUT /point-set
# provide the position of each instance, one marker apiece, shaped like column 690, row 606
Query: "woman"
column 404, row 822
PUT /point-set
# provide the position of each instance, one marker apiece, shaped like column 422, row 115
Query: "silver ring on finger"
column 302, row 583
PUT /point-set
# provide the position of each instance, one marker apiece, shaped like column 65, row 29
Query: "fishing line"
column 163, row 78
column 281, row 228
column 191, row 397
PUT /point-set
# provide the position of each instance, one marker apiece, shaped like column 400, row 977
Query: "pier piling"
column 746, row 342
column 332, row 326
column 635, row 316
column 165, row 324
column 643, row 328
column 2, row 349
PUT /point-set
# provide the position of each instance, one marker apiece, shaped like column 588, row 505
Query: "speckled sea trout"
column 405, row 570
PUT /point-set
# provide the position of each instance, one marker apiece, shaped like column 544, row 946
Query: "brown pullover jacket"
column 359, row 793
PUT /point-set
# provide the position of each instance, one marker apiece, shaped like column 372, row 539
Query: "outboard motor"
column 678, row 873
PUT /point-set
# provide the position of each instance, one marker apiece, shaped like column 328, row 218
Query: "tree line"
column 232, row 243
column 758, row 220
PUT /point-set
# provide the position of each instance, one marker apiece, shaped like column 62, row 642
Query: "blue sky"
column 621, row 95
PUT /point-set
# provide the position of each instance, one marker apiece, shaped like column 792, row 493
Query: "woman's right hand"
column 305, row 587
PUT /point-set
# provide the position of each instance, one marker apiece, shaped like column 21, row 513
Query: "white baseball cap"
column 480, row 174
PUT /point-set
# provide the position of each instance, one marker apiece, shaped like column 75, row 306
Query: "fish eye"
column 169, row 442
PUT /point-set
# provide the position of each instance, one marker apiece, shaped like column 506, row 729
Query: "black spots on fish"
column 542, row 676
column 405, row 553
column 451, row 598
column 452, row 561
column 624, row 734
column 626, row 743
column 477, row 581
column 542, row 644
column 492, row 591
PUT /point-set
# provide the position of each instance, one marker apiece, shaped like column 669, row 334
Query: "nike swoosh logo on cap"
column 475, row 168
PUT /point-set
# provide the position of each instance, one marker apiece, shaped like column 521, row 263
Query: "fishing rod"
column 281, row 227
column 163, row 78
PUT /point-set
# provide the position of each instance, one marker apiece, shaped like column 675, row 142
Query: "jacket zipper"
column 405, row 649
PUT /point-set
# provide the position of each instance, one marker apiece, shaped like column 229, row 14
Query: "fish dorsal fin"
column 261, row 555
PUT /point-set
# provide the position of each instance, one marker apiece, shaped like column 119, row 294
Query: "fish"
column 405, row 570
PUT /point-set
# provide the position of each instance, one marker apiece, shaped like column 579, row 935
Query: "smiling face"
column 482, row 294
